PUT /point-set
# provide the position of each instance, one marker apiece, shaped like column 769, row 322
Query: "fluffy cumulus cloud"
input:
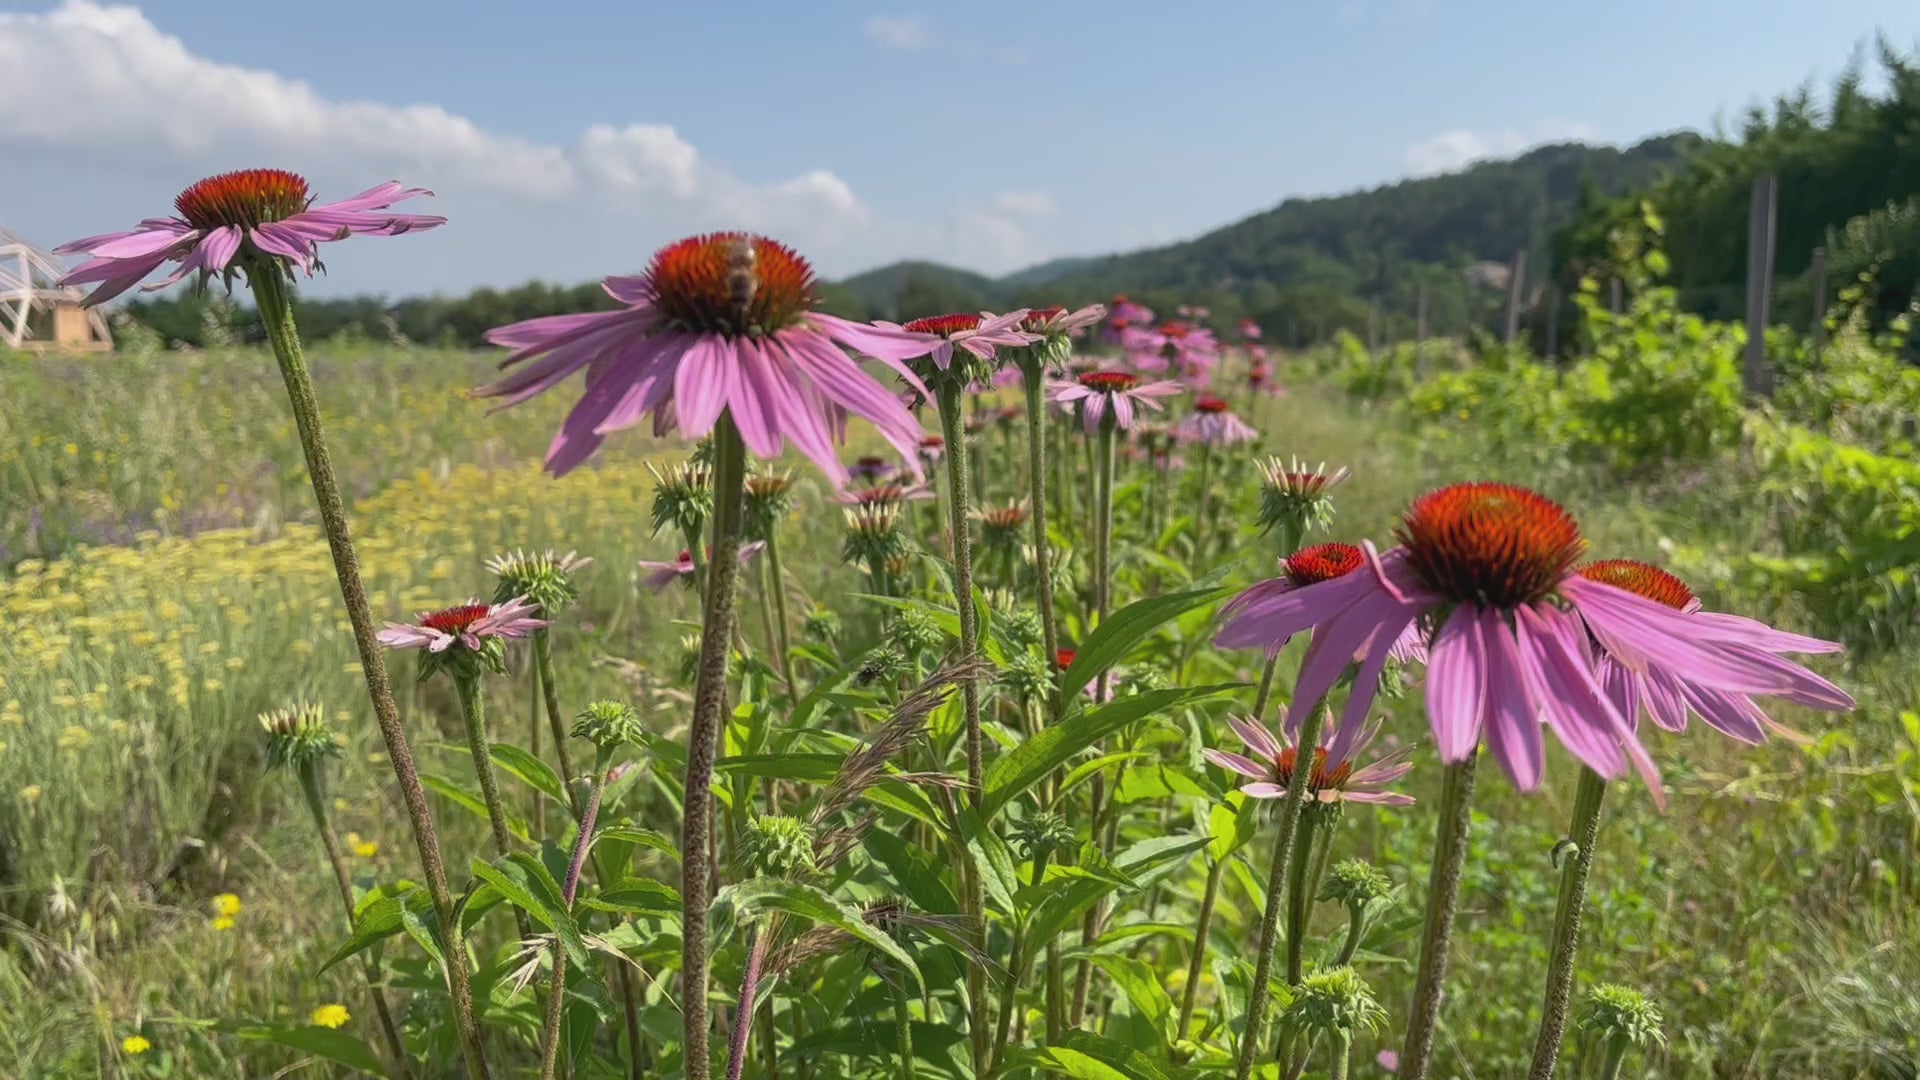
column 1455, row 149
column 100, row 98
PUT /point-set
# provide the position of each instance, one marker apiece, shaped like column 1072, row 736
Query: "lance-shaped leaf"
column 764, row 896
column 1120, row 632
column 531, row 771
column 333, row 1045
column 526, row 884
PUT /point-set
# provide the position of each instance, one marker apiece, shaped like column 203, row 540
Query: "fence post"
column 1760, row 241
column 1819, row 272
column 1514, row 286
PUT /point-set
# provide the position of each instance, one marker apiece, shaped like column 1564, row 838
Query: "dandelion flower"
column 330, row 1016
column 1214, row 424
column 227, row 220
column 718, row 323
column 226, row 905
column 365, row 849
column 1098, row 393
column 135, row 1045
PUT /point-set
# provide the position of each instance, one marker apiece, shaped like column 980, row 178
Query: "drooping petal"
column 1457, row 688
column 1235, row 763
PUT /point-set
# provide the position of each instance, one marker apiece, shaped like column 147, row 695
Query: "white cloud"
column 1028, row 204
column 1452, row 150
column 909, row 32
column 90, row 77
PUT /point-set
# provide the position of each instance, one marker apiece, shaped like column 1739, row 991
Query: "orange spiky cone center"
column 1494, row 545
column 1322, row 562
column 1109, row 382
column 244, row 199
column 1641, row 579
column 731, row 283
column 1321, row 778
column 944, row 325
column 1037, row 319
column 455, row 620
column 1207, row 403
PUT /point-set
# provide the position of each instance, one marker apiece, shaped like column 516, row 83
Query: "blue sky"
column 567, row 140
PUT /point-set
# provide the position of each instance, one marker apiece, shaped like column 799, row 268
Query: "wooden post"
column 1819, row 272
column 1513, row 294
column 1553, row 323
column 1760, row 252
column 1614, row 302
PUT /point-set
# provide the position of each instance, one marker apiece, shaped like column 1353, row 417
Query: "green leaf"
column 1031, row 761
column 1231, row 825
column 421, row 927
column 1124, row 629
column 1143, row 990
column 1073, row 1063
column 646, row 838
column 1084, row 771
column 533, row 772
column 992, row 858
column 333, row 1045
column 461, row 796
column 766, row 895
column 916, row 872
column 378, row 920
column 526, row 884
column 1157, row 782
column 638, row 896
column 809, row 768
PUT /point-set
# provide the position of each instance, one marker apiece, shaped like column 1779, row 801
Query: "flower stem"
column 1583, row 835
column 948, row 399
column 1342, row 1055
column 538, row 811
column 782, row 639
column 903, row 1026
column 709, row 703
column 1356, row 925
column 1612, row 1057
column 549, row 690
column 1297, row 900
column 473, row 712
column 1034, row 371
column 1016, row 971
column 276, row 312
column 1443, row 894
column 1201, row 928
column 557, row 987
column 1289, row 828
column 1200, row 533
column 316, row 806
column 1102, row 601
column 1265, row 693
column 743, row 1015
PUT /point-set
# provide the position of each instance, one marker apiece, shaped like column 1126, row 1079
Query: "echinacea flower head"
column 330, row 1016
column 1612, row 1012
column 1117, row 394
column 1172, row 346
column 883, row 495
column 1001, row 521
column 298, row 736
column 545, row 578
column 466, row 638
column 1667, row 695
column 778, row 846
column 1249, row 330
column 1294, row 495
column 1489, row 568
column 873, row 533
column 1054, row 328
column 608, row 725
column 1355, row 883
column 237, row 221
column 662, row 574
column 972, row 338
column 722, row 323
column 682, row 497
column 1260, row 378
column 768, row 500
column 932, row 449
column 1336, row 1000
column 1270, row 760
column 1127, row 313
column 1212, row 422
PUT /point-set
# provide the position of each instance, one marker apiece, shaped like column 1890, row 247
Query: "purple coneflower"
column 883, row 494
column 977, row 335
column 469, row 624
column 1099, row 392
column 1272, row 760
column 932, row 449
column 225, row 219
column 1250, row 331
column 1636, row 679
column 1212, row 423
column 871, row 470
column 1172, row 346
column 719, row 323
column 1311, row 566
column 682, row 567
column 1493, row 564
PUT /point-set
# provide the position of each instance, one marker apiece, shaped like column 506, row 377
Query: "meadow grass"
column 1769, row 910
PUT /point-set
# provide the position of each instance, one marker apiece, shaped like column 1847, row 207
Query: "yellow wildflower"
column 135, row 1045
column 223, row 922
column 330, row 1016
column 366, row 849
column 227, row 904
column 30, row 794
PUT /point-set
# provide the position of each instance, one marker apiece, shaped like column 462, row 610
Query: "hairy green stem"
column 1612, row 1057
column 1200, row 531
column 1342, row 1055
column 1443, row 895
column 1265, row 694
column 1582, row 836
column 267, row 279
column 1289, row 827
column 903, row 1026
column 709, row 705
column 948, row 398
column 1016, row 970
column 557, row 986
column 550, row 692
column 473, row 712
column 1202, row 926
column 317, row 807
column 1102, row 602
column 1034, row 373
column 782, row 634
column 1298, row 905
column 1356, row 925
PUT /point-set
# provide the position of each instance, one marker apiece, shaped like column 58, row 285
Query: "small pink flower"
column 977, row 335
column 1250, row 331
column 666, row 573
column 1213, row 424
column 1269, row 763
column 1173, row 346
column 1388, row 1060
column 226, row 219
column 883, row 495
column 469, row 624
column 1098, row 392
column 1053, row 320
